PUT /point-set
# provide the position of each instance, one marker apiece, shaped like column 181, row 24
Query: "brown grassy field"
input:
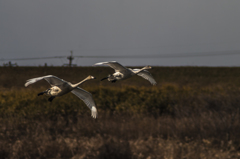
column 192, row 113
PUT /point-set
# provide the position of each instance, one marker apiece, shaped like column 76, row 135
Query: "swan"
column 60, row 87
column 122, row 72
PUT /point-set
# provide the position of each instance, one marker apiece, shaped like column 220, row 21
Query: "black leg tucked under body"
column 41, row 93
column 51, row 98
column 114, row 81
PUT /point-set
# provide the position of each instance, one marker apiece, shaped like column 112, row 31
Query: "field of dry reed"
column 192, row 113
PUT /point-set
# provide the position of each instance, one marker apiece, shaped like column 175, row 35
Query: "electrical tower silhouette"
column 70, row 58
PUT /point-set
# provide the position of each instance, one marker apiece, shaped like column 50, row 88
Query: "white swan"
column 122, row 72
column 60, row 87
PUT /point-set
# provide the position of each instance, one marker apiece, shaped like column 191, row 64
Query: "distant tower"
column 70, row 58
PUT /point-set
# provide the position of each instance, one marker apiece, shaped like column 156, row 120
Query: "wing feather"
column 113, row 64
column 52, row 80
column 146, row 75
column 87, row 98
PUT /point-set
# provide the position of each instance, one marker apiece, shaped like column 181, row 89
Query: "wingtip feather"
column 94, row 112
column 27, row 84
column 154, row 82
column 99, row 63
column 102, row 63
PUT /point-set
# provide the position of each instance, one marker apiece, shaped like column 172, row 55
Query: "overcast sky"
column 45, row 28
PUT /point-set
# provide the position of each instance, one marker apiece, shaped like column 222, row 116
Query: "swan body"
column 122, row 72
column 60, row 87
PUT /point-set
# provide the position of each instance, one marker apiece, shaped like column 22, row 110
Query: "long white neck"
column 79, row 83
column 144, row 68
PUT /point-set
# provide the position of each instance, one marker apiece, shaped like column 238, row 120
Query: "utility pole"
column 70, row 58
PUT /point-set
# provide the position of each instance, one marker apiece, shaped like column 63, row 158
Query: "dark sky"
column 45, row 28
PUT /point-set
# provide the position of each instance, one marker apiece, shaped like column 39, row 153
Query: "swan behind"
column 122, row 72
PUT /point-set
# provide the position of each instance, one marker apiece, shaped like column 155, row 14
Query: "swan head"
column 91, row 77
column 111, row 77
column 148, row 67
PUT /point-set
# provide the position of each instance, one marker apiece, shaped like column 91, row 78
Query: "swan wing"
column 87, row 98
column 146, row 75
column 113, row 64
column 52, row 80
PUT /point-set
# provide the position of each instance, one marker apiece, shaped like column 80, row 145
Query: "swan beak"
column 91, row 77
column 148, row 67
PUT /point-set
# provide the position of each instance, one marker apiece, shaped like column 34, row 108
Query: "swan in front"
column 122, row 72
column 60, row 87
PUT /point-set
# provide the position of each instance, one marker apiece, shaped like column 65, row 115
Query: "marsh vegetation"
column 192, row 113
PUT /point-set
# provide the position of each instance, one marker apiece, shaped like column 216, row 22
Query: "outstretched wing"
column 52, row 80
column 146, row 75
column 87, row 98
column 113, row 64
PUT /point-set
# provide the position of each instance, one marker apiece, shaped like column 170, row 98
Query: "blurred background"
column 160, row 33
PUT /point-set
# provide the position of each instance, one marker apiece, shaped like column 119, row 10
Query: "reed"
column 192, row 113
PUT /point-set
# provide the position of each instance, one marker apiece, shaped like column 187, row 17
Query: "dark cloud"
column 120, row 27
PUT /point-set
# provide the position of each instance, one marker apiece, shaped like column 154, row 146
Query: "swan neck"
column 140, row 70
column 79, row 83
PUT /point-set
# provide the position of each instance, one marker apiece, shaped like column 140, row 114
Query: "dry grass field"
column 192, row 113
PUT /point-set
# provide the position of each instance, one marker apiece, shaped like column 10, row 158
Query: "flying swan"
column 60, row 87
column 122, row 72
